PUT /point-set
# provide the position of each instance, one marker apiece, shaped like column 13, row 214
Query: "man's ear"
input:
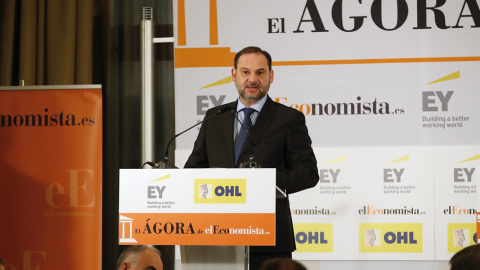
column 234, row 74
column 125, row 266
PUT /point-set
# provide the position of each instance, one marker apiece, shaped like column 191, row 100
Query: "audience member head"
column 282, row 264
column 2, row 265
column 466, row 259
column 140, row 257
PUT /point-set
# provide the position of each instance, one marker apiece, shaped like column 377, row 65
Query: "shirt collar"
column 257, row 106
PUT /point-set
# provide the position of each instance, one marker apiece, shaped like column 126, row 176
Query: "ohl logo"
column 314, row 237
column 400, row 237
column 228, row 191
column 461, row 235
column 390, row 237
column 213, row 191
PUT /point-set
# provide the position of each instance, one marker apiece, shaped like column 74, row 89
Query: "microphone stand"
column 164, row 164
column 248, row 164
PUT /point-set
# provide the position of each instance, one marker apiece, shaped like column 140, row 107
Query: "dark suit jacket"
column 280, row 140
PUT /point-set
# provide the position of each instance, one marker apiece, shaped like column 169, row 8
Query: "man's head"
column 140, row 257
column 252, row 74
column 282, row 264
column 466, row 259
column 2, row 265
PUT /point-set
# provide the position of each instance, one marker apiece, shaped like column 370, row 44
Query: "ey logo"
column 220, row 191
column 391, row 175
column 204, row 102
column 156, row 192
column 330, row 175
column 464, row 174
column 434, row 101
column 390, row 237
column 313, row 237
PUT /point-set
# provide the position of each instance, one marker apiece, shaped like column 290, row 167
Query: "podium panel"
column 213, row 257
column 204, row 207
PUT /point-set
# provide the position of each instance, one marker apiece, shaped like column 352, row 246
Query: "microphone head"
column 164, row 165
column 222, row 110
column 249, row 165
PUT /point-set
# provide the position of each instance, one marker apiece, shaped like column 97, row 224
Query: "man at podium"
column 256, row 131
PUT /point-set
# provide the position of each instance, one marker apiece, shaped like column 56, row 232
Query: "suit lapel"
column 227, row 126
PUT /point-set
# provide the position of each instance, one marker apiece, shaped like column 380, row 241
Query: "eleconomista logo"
column 46, row 119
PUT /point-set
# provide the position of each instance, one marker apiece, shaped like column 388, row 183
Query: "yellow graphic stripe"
column 407, row 157
column 455, row 75
column 161, row 178
column 477, row 157
column 219, row 82
column 342, row 158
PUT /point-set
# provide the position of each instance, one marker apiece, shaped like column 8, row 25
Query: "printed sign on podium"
column 233, row 207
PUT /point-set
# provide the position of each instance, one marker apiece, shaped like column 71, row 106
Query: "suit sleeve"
column 198, row 158
column 301, row 170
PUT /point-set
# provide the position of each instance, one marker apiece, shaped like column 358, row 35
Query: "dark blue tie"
column 242, row 135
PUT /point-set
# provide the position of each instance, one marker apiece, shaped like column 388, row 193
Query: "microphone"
column 251, row 163
column 164, row 164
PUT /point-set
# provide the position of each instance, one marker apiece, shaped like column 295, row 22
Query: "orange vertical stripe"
column 182, row 32
column 478, row 227
column 213, row 23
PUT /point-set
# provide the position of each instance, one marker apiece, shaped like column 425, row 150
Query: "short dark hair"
column 253, row 49
column 274, row 264
column 466, row 259
column 2, row 262
column 134, row 251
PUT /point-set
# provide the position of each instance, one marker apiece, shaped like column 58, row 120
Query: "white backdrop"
column 391, row 103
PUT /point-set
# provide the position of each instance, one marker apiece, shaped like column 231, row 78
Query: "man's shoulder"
column 223, row 107
column 281, row 108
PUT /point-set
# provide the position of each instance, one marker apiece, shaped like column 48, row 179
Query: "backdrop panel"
column 389, row 90
column 51, row 177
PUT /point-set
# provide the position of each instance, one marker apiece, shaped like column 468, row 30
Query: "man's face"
column 252, row 77
column 149, row 260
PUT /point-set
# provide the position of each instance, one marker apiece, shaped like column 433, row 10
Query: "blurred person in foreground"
column 282, row 264
column 466, row 259
column 140, row 257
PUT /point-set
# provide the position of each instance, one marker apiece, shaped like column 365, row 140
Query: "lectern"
column 213, row 214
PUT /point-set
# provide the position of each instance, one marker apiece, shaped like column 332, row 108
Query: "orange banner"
column 478, row 227
column 51, row 178
column 197, row 229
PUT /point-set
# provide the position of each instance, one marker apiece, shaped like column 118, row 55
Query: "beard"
column 262, row 91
